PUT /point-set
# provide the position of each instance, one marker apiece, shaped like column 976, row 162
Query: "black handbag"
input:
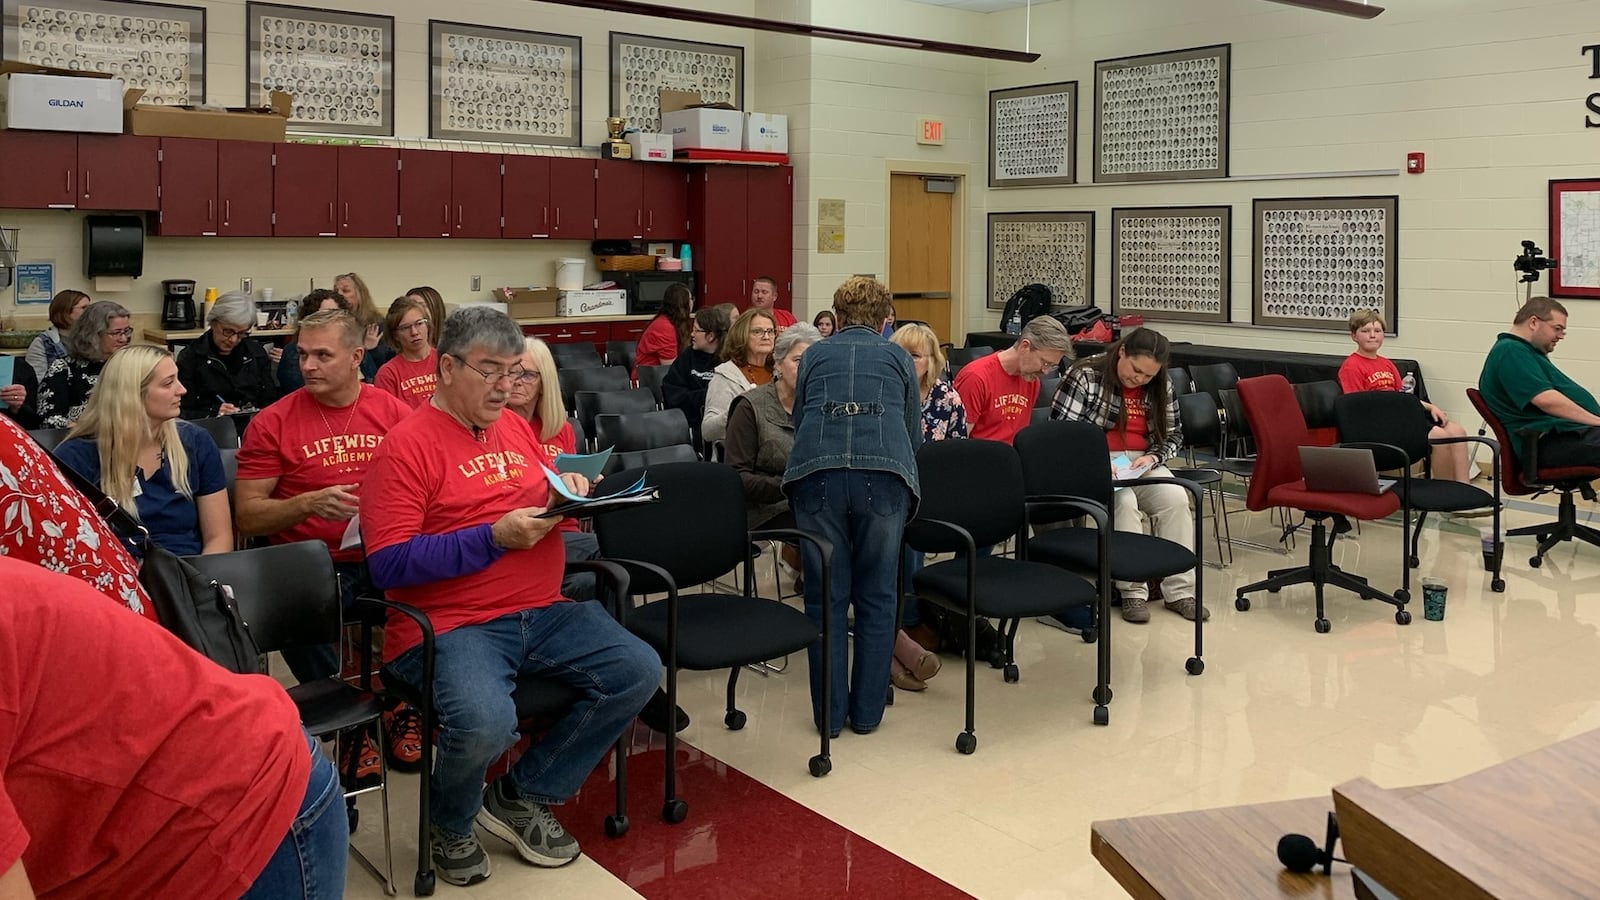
column 196, row 609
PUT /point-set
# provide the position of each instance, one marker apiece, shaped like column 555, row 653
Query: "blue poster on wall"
column 36, row 282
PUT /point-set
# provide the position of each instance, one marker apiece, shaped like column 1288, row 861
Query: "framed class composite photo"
column 641, row 66
column 1055, row 249
column 504, row 85
column 1171, row 263
column 1162, row 116
column 1318, row 259
column 157, row 47
column 1033, row 135
column 338, row 66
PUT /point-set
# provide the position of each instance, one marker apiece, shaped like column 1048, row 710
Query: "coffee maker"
column 177, row 303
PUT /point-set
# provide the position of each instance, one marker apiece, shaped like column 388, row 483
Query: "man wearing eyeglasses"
column 1526, row 391
column 451, row 517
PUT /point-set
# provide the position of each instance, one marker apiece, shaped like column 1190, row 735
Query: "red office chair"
column 1521, row 474
column 1280, row 430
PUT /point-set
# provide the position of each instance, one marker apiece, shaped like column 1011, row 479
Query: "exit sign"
column 930, row 131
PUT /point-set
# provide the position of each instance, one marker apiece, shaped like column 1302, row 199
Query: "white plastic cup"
column 261, row 318
column 266, row 295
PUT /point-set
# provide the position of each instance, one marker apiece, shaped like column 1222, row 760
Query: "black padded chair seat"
column 1007, row 588
column 767, row 629
column 1134, row 557
column 1437, row 495
column 328, row 705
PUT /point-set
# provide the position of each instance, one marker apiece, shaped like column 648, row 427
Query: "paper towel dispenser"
column 113, row 245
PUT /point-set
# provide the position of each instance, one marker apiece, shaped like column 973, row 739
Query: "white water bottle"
column 1409, row 383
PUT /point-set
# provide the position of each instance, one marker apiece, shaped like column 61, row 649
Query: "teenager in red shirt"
column 668, row 333
column 999, row 390
column 1367, row 370
column 764, row 295
column 411, row 374
column 452, row 527
column 79, row 675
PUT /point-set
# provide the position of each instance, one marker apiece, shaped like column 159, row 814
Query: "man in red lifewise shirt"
column 452, row 527
column 999, row 390
column 764, row 295
column 111, row 783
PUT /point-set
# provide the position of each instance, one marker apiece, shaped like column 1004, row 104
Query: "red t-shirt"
column 658, row 344
column 563, row 441
column 412, row 382
column 782, row 317
column 45, row 521
column 1358, row 373
column 432, row 476
column 1134, row 433
column 112, row 782
column 998, row 405
column 308, row 446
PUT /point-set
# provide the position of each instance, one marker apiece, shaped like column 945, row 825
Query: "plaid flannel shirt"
column 1080, row 398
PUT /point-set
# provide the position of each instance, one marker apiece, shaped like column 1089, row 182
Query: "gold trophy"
column 615, row 147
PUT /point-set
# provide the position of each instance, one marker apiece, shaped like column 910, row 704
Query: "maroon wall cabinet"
column 475, row 193
column 425, row 209
column 572, row 198
column 666, row 201
column 244, row 188
column 740, row 226
column 188, row 188
column 770, row 213
column 305, row 190
column 525, row 197
column 117, row 171
column 369, row 191
column 619, row 200
column 44, row 170
column 39, row 169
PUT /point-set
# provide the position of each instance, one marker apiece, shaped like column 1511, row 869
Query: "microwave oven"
column 646, row 289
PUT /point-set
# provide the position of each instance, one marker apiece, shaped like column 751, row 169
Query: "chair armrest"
column 923, row 536
column 823, row 545
column 1081, row 505
column 1190, row 486
column 1529, row 457
column 611, row 572
column 1379, row 445
column 415, row 615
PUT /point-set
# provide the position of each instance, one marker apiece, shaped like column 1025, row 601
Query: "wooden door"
column 118, row 171
column 572, row 198
column 305, row 188
column 369, row 191
column 525, row 197
column 425, row 194
column 244, row 188
column 38, row 169
column 920, row 240
column 475, row 191
column 188, row 188
column 769, row 249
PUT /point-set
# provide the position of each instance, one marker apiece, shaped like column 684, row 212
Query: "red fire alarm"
column 1415, row 163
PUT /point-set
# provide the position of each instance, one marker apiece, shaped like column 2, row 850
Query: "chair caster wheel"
column 423, row 885
column 1415, row 562
column 1090, row 635
column 1101, row 695
column 354, row 815
column 888, row 699
column 1323, row 626
column 966, row 742
column 674, row 811
column 1498, row 585
column 1403, row 595
column 1242, row 604
column 1195, row 665
column 1012, row 674
column 616, row 826
column 1102, row 716
column 1273, row 590
column 1535, row 561
column 1402, row 617
column 820, row 766
column 735, row 719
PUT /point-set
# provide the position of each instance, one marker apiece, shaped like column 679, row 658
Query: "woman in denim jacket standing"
column 852, row 478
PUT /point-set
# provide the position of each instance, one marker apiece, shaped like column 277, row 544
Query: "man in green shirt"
column 1526, row 391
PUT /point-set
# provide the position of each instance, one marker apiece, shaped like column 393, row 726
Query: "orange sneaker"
column 361, row 758
column 403, row 724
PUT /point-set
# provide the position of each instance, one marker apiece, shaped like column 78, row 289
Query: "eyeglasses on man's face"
column 515, row 374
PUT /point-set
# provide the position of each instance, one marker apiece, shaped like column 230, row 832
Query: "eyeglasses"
column 224, row 332
column 518, row 375
column 1560, row 329
column 763, row 332
column 121, row 333
column 412, row 326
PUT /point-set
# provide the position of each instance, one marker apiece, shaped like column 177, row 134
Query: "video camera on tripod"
column 1532, row 261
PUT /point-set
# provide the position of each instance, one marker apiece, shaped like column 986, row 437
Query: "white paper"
column 1122, row 467
column 352, row 534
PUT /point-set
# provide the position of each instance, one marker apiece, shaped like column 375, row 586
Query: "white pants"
column 1167, row 507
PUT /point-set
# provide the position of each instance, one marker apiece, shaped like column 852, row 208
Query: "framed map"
column 338, row 66
column 642, row 66
column 1319, row 259
column 498, row 84
column 1033, row 135
column 1575, row 237
column 155, row 46
column 1055, row 249
column 1171, row 264
column 1162, row 116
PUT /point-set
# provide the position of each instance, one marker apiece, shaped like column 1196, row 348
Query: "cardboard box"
column 530, row 303
column 593, row 303
column 650, row 147
column 766, row 132
column 694, row 124
column 234, row 124
column 46, row 99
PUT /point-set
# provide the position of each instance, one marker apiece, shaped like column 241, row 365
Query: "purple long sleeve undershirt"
column 433, row 557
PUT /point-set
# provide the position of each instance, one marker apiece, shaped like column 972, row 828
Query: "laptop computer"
column 1347, row 469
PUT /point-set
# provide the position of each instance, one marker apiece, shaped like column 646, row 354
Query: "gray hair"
column 1045, row 333
column 83, row 339
column 798, row 333
column 233, row 308
column 480, row 326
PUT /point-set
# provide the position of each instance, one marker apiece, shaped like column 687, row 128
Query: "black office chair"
column 576, row 355
column 1395, row 426
column 956, row 357
column 1066, row 460
column 1214, row 378
column 580, row 437
column 223, row 429
column 289, row 596
column 644, row 459
column 48, row 438
column 588, row 404
column 959, row 513
column 1048, row 383
column 1318, row 400
column 707, row 630
column 1180, row 380
column 599, row 378
column 641, row 430
column 621, row 353
column 651, row 377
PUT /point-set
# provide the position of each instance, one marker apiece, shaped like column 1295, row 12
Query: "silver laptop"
column 1347, row 469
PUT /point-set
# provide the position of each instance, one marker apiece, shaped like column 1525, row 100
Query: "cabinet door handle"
column 227, row 211
column 86, row 182
column 638, row 218
column 458, row 215
column 347, row 215
column 69, row 181
column 558, row 217
column 330, row 212
column 211, row 209
column 652, row 219
column 444, row 213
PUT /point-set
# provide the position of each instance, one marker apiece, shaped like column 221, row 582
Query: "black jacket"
column 202, row 371
column 684, row 385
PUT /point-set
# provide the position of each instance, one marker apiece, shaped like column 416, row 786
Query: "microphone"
column 1299, row 853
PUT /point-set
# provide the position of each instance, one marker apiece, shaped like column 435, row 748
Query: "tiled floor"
column 1280, row 712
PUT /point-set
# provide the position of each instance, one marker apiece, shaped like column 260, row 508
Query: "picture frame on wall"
column 338, row 67
column 159, row 48
column 1055, row 249
column 1172, row 263
column 642, row 66
column 1575, row 237
column 504, row 85
column 1033, row 135
column 1318, row 259
column 1162, row 116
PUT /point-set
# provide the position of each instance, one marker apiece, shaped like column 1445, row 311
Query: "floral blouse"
column 943, row 416
column 64, row 390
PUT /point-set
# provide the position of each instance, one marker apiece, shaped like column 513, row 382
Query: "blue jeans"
column 475, row 666
column 863, row 514
column 309, row 862
column 311, row 663
column 579, row 546
column 911, row 562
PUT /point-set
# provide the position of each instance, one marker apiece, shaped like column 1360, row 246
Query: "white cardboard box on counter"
column 592, row 303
